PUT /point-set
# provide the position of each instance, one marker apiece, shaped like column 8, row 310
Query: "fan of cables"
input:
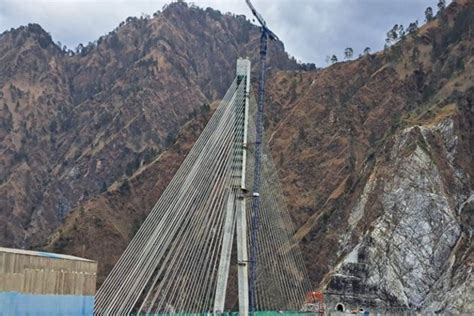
column 171, row 264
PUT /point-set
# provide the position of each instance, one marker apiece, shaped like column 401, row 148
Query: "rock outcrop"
column 406, row 260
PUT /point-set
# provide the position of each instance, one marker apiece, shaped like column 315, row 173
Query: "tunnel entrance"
column 339, row 307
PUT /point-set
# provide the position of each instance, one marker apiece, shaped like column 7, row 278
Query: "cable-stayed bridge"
column 211, row 242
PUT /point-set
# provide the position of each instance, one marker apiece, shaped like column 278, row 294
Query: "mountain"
column 375, row 157
column 72, row 125
column 374, row 154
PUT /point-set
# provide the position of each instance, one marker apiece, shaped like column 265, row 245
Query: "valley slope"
column 74, row 125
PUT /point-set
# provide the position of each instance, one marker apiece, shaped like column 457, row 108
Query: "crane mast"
column 265, row 35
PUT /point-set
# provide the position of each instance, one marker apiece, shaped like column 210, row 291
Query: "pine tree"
column 429, row 14
column 348, row 53
column 441, row 5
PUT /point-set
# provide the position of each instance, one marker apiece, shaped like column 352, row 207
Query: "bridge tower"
column 182, row 257
column 235, row 216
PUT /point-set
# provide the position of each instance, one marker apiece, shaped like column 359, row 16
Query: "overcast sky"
column 310, row 29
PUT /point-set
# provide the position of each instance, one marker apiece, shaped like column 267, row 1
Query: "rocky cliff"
column 417, row 253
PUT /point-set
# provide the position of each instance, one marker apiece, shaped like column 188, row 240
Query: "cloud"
column 73, row 22
column 310, row 29
column 313, row 29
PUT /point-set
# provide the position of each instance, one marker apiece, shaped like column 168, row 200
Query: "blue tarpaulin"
column 19, row 304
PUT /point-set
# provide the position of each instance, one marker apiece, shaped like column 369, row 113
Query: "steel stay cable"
column 193, row 198
column 188, row 162
column 166, row 261
column 188, row 157
column 238, row 101
column 270, row 206
column 237, row 144
column 175, row 285
column 181, row 307
column 146, row 263
column 275, row 235
column 184, row 190
column 237, row 168
column 172, row 263
column 206, row 139
column 209, row 127
column 265, row 246
column 238, row 160
column 276, row 231
column 283, row 234
column 289, row 224
column 271, row 247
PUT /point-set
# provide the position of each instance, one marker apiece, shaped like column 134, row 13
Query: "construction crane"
column 266, row 34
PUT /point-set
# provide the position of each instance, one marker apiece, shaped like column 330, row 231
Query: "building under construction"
column 41, row 283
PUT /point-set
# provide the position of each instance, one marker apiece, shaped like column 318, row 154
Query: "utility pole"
column 266, row 34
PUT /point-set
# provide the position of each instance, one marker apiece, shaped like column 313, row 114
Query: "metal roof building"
column 42, row 283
